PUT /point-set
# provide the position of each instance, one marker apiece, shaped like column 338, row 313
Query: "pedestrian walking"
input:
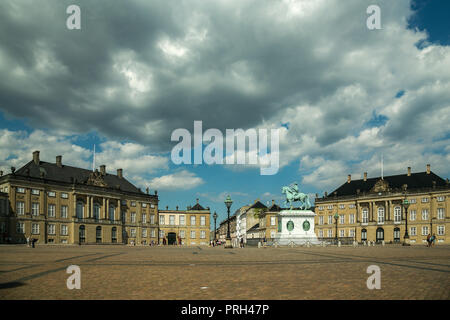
column 433, row 240
column 428, row 240
column 28, row 241
column 33, row 241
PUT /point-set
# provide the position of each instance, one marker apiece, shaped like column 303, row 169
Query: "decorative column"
column 117, row 213
column 107, row 209
column 387, row 211
column 74, row 205
column 91, row 207
column 357, row 212
column 104, row 209
column 88, row 206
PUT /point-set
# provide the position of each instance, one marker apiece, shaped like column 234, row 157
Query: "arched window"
column 112, row 210
column 380, row 234
column 82, row 234
column 96, row 211
column 114, row 235
column 397, row 214
column 365, row 215
column 380, row 214
column 363, row 235
column 80, row 210
column 98, row 234
column 396, row 234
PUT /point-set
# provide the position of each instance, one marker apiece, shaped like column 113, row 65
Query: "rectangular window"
column 351, row 218
column 133, row 217
column 413, row 231
column 64, row 195
column 351, row 206
column 440, row 198
column 192, row 234
column 182, row 234
column 144, row 233
column 52, row 194
column 64, row 230
column 342, row 206
column 133, row 203
column 330, row 207
column 161, row 220
column 152, row 205
column 412, row 201
column 172, row 220
column 133, row 233
column 440, row 213
column 35, row 228
column 35, row 208
column 342, row 219
column 441, row 230
column 20, row 208
column 330, row 233
column 273, row 221
column 20, row 227
column 161, row 234
column 51, row 229
column 425, row 230
column 425, row 214
column 202, row 220
column 123, row 202
column 192, row 220
column 320, row 234
column 144, row 205
column 342, row 233
column 35, row 192
column 330, row 219
column 152, row 218
column 144, row 218
column 153, row 233
column 51, row 210
column 63, row 212
column 412, row 215
column 20, row 190
column 320, row 220
column 183, row 220
column 351, row 233
column 202, row 234
column 320, row 207
column 425, row 200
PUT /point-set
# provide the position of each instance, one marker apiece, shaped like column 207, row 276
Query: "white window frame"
column 182, row 220
column 51, row 210
column 320, row 220
column 20, row 228
column 397, row 214
column 425, row 233
column 440, row 198
column 440, row 230
column 193, row 235
column 35, row 228
column 182, row 234
column 64, row 211
column 202, row 220
column 202, row 234
column 342, row 219
column 162, row 220
column 52, row 194
column 144, row 233
column 144, row 218
column 35, row 192
column 171, row 220
column 425, row 214
column 330, row 233
column 20, row 208
column 342, row 206
column 440, row 213
column 50, row 227
column 425, row 200
column 273, row 221
column 330, row 219
column 20, row 190
column 412, row 215
column 132, row 233
column 412, row 201
column 342, row 233
column 380, row 215
column 133, row 217
column 35, row 208
column 64, row 195
column 193, row 220
column 152, row 219
column 413, row 231
column 351, row 218
column 365, row 216
column 64, row 230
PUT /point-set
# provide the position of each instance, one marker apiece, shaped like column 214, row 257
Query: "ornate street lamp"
column 228, row 203
column 215, row 229
column 336, row 217
column 406, row 237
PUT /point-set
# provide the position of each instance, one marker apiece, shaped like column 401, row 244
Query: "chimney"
column 409, row 171
column 167, row 207
column 146, row 190
column 59, row 161
column 156, row 192
column 428, row 169
column 326, row 194
column 36, row 157
column 197, row 200
column 103, row 169
column 349, row 178
column 119, row 173
column 365, row 176
column 176, row 208
column 1, row 173
column 273, row 202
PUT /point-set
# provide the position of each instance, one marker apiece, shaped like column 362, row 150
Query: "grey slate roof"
column 69, row 174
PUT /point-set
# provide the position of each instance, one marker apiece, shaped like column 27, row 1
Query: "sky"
column 340, row 95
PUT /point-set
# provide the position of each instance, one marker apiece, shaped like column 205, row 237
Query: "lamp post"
column 406, row 237
column 215, row 229
column 336, row 217
column 228, row 203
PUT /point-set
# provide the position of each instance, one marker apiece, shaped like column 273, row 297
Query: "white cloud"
column 182, row 180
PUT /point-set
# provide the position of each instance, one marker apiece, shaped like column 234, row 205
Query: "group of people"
column 431, row 240
column 31, row 242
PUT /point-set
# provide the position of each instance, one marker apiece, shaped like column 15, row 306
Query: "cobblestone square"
column 205, row 273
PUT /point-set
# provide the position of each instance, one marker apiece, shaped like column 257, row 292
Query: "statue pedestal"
column 296, row 227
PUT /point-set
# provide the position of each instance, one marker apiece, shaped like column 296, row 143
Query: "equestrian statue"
column 292, row 195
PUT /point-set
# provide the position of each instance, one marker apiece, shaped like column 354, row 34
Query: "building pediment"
column 380, row 186
column 96, row 179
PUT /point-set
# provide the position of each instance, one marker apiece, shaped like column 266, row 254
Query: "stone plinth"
column 296, row 227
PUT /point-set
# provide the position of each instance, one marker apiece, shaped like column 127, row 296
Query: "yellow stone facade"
column 189, row 227
column 380, row 216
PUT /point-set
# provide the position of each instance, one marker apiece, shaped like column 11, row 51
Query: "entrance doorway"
column 171, row 238
column 82, row 234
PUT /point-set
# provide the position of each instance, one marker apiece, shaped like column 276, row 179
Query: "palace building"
column 61, row 204
column 371, row 209
column 185, row 227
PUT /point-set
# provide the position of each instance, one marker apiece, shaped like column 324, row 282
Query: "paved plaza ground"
column 197, row 273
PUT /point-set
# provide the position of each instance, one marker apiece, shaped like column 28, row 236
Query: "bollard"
column 292, row 244
column 259, row 244
column 339, row 244
column 382, row 243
